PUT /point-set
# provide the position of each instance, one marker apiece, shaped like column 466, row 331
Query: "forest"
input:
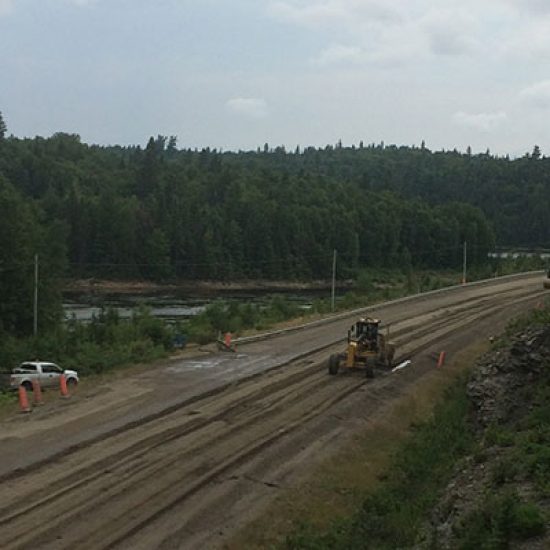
column 167, row 213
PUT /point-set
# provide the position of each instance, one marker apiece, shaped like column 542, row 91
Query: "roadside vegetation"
column 94, row 348
column 371, row 286
column 508, row 461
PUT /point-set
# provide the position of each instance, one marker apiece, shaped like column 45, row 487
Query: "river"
column 171, row 307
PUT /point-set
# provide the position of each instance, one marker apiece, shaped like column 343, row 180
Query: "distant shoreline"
column 108, row 287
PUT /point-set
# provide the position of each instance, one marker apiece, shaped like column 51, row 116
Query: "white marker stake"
column 402, row 365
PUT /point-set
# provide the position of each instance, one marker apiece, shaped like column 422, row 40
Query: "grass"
column 391, row 515
column 7, row 402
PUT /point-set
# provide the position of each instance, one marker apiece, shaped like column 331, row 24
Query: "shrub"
column 501, row 519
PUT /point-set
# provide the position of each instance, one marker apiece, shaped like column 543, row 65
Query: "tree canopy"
column 161, row 212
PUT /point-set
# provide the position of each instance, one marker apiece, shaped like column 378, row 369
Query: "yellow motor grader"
column 367, row 348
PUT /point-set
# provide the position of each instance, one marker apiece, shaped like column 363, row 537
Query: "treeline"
column 163, row 213
column 513, row 194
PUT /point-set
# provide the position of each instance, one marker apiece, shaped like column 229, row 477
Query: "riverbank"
column 109, row 287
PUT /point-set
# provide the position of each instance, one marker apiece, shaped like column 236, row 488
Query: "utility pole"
column 464, row 260
column 333, row 280
column 35, row 324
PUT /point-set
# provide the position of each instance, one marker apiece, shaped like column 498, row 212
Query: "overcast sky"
column 235, row 74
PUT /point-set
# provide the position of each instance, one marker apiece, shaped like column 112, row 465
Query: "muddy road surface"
column 182, row 455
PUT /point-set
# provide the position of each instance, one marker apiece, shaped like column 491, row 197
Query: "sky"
column 235, row 74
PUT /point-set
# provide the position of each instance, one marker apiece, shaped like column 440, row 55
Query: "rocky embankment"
column 499, row 496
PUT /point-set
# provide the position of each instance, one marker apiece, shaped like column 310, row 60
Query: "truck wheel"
column 333, row 364
column 27, row 385
column 72, row 382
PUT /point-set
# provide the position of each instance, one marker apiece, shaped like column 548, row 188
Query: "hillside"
column 499, row 494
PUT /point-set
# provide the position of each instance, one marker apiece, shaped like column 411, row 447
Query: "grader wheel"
column 369, row 369
column 333, row 364
column 390, row 353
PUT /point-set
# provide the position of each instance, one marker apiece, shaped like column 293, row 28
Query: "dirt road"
column 181, row 456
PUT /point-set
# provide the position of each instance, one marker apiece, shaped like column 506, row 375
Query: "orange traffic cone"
column 36, row 393
column 227, row 340
column 24, row 400
column 441, row 360
column 63, row 387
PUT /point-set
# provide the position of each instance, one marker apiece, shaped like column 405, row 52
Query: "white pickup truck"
column 47, row 374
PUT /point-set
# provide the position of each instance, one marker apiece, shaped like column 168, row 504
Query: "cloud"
column 533, row 6
column 328, row 12
column 537, row 95
column 317, row 14
column 6, row 7
column 337, row 53
column 82, row 3
column 485, row 122
column 387, row 54
column 451, row 32
column 445, row 43
column 248, row 106
column 531, row 39
column 383, row 32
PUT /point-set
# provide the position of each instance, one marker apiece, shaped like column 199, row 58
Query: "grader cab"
column 367, row 347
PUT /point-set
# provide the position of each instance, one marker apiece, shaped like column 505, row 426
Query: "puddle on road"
column 206, row 363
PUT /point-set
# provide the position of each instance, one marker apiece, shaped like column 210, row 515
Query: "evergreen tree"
column 3, row 127
column 148, row 174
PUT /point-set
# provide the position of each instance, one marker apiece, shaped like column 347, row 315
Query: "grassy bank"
column 390, row 516
column 515, row 454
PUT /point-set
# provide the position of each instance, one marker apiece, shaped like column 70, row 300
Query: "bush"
column 201, row 331
column 280, row 309
column 105, row 343
column 501, row 519
column 364, row 282
column 528, row 521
